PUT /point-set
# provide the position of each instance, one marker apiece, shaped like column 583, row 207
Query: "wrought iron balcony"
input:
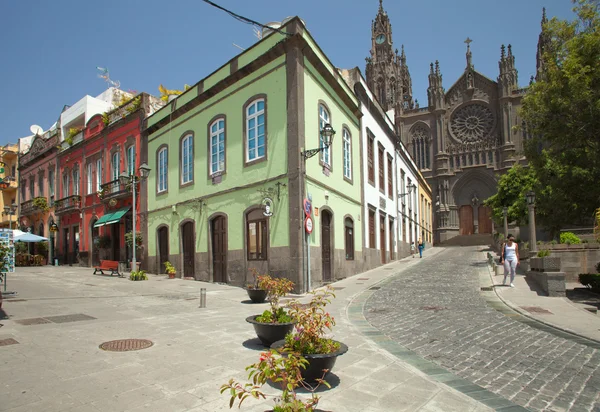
column 114, row 190
column 35, row 205
column 67, row 204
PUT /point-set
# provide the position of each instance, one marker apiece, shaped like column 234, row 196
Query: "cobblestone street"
column 436, row 310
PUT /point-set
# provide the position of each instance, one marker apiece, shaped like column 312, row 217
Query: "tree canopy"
column 561, row 111
column 512, row 187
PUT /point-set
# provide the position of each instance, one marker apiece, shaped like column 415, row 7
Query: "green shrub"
column 539, row 242
column 138, row 275
column 598, row 267
column 569, row 238
column 553, row 242
column 590, row 280
column 543, row 253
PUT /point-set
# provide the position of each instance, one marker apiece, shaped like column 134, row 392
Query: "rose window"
column 472, row 123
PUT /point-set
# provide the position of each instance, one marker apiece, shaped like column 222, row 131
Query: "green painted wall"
column 315, row 90
column 269, row 80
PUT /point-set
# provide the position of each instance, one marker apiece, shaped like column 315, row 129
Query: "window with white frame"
column 115, row 166
column 161, row 181
column 255, row 131
column 76, row 180
column 324, row 118
column 217, row 146
column 187, row 159
column 98, row 174
column 130, row 154
column 89, row 179
column 65, row 185
column 347, row 154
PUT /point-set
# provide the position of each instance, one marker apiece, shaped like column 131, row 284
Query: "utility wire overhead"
column 245, row 19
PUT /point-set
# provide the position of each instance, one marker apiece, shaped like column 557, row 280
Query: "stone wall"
column 575, row 259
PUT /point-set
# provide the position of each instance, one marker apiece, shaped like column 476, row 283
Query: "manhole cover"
column 374, row 288
column 69, row 318
column 16, row 300
column 32, row 321
column 9, row 341
column 486, row 288
column 536, row 309
column 125, row 345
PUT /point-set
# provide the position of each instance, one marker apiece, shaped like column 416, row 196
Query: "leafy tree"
column 512, row 187
column 562, row 114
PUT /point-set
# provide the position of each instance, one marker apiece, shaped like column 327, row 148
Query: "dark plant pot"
column 316, row 362
column 257, row 295
column 270, row 332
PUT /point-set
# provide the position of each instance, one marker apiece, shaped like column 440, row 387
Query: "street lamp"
column 530, row 196
column 411, row 188
column 327, row 133
column 10, row 211
column 132, row 179
column 505, row 214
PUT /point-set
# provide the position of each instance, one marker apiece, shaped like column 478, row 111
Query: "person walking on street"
column 412, row 249
column 510, row 257
column 421, row 247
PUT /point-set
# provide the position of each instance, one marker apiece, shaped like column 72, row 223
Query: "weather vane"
column 104, row 74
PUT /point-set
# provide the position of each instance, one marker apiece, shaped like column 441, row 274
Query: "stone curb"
column 527, row 315
column 355, row 314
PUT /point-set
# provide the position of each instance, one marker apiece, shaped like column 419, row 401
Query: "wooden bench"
column 111, row 265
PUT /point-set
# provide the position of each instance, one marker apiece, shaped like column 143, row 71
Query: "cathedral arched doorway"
column 469, row 193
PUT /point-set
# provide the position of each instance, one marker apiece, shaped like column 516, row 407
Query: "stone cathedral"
column 464, row 139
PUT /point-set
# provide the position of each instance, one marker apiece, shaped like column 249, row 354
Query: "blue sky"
column 50, row 49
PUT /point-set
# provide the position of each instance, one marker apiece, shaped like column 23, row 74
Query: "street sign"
column 307, row 207
column 308, row 225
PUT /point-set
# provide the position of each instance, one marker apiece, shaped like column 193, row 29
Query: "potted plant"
column 255, row 292
column 170, row 269
column 274, row 323
column 281, row 370
column 308, row 338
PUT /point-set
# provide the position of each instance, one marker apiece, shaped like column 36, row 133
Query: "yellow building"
column 9, row 155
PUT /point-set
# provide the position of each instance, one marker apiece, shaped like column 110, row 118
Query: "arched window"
column 324, row 118
column 162, row 162
column 187, row 159
column 217, row 146
column 256, row 143
column 257, row 234
column 349, row 238
column 347, row 154
column 420, row 140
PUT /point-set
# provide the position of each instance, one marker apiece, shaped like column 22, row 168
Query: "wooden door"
column 163, row 248
column 484, row 219
column 382, row 237
column 95, row 249
column 219, row 248
column 115, row 234
column 466, row 219
column 326, row 245
column 188, row 243
column 391, row 236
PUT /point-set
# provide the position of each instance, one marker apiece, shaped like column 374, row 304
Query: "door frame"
column 158, row 229
column 471, row 221
column 211, row 263
column 326, row 209
column 383, row 238
column 181, row 245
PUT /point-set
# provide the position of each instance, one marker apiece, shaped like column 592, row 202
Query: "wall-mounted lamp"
column 327, row 133
column 411, row 187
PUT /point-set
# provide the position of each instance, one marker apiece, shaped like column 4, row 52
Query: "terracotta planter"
column 257, row 295
column 270, row 332
column 171, row 275
column 317, row 362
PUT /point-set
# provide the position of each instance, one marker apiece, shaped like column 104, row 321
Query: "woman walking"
column 510, row 257
column 421, row 247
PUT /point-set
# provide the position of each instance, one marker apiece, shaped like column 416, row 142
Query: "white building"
column 390, row 211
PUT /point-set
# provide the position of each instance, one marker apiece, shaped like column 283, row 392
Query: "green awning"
column 116, row 216
column 110, row 218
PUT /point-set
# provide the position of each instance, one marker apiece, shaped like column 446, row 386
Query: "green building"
column 230, row 171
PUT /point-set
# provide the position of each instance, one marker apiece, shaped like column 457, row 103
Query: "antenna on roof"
column 104, row 74
column 36, row 130
column 257, row 33
column 239, row 47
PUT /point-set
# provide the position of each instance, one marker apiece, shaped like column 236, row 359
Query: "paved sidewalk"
column 559, row 312
column 57, row 365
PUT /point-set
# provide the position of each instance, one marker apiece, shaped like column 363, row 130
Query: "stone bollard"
column 498, row 270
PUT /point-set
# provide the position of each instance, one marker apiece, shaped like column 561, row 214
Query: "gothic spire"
column 381, row 5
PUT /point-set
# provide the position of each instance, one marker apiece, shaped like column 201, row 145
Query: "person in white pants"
column 510, row 257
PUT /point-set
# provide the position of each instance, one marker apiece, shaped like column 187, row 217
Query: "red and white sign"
column 308, row 224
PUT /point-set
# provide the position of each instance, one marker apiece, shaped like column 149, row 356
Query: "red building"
column 95, row 210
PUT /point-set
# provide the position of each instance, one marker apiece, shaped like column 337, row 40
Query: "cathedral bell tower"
column 387, row 73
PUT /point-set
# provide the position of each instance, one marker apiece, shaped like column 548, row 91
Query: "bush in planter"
column 569, row 238
column 138, row 275
column 543, row 253
column 129, row 239
column 282, row 370
column 170, row 269
column 276, row 289
column 591, row 281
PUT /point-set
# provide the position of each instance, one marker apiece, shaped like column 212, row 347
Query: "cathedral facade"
column 465, row 137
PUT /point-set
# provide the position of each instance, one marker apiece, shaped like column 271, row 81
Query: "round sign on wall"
column 308, row 225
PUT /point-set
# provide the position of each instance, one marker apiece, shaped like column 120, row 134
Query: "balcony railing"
column 67, row 204
column 37, row 204
column 114, row 190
